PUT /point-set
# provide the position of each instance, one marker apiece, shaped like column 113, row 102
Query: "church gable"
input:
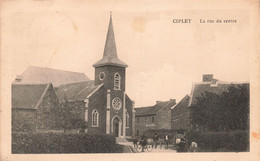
column 95, row 111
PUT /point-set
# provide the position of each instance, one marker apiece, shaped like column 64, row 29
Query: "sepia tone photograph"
column 129, row 80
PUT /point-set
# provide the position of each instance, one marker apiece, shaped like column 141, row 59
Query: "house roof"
column 76, row 91
column 181, row 107
column 41, row 75
column 152, row 110
column 199, row 88
column 110, row 52
column 28, row 96
column 129, row 99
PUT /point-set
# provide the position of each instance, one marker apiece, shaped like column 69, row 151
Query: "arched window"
column 117, row 79
column 95, row 116
column 126, row 119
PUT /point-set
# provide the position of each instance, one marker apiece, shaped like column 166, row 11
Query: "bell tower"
column 110, row 71
column 110, row 67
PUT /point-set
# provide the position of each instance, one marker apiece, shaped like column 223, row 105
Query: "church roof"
column 110, row 53
column 76, row 91
column 41, row 75
column 27, row 96
column 152, row 110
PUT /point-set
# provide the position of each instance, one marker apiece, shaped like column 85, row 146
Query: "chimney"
column 207, row 77
column 214, row 83
column 18, row 78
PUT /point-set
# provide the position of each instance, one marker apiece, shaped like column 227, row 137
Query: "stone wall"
column 48, row 112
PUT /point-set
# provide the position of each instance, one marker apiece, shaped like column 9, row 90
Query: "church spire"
column 110, row 52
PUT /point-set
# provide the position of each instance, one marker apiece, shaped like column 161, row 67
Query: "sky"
column 164, row 58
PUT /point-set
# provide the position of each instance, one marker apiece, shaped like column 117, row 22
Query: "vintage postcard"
column 129, row 80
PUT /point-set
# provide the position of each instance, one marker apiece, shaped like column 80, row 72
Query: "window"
column 116, row 103
column 126, row 119
column 95, row 118
column 152, row 119
column 102, row 76
column 137, row 120
column 117, row 80
column 146, row 120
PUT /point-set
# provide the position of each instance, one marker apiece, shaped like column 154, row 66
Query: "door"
column 116, row 127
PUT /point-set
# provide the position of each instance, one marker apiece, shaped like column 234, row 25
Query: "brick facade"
column 97, row 101
column 153, row 117
column 180, row 115
column 109, row 76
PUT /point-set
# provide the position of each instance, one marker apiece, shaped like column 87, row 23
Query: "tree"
column 227, row 111
column 70, row 116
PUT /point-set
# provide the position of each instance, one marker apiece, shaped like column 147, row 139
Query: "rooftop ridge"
column 37, row 84
column 76, row 83
column 55, row 69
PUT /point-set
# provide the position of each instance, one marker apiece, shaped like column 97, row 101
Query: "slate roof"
column 181, row 107
column 128, row 98
column 110, row 52
column 27, row 96
column 152, row 110
column 41, row 75
column 76, row 91
column 199, row 88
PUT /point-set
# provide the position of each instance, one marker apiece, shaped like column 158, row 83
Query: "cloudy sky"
column 164, row 58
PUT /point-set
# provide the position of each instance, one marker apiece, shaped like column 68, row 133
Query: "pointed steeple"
column 110, row 52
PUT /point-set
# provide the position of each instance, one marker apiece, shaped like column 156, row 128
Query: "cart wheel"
column 139, row 148
column 149, row 148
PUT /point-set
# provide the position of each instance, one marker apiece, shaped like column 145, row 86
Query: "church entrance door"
column 116, row 126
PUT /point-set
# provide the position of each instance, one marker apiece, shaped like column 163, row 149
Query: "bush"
column 235, row 141
column 62, row 143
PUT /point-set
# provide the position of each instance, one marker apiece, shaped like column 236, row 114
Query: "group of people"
column 180, row 143
column 156, row 141
column 160, row 141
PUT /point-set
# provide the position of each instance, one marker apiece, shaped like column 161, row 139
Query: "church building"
column 102, row 103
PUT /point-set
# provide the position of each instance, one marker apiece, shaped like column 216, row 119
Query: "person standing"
column 135, row 141
column 181, row 145
column 193, row 146
column 166, row 141
column 144, row 142
column 155, row 139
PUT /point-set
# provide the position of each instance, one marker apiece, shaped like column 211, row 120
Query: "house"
column 34, row 107
column 153, row 117
column 180, row 115
column 211, row 85
column 40, row 75
column 102, row 103
column 214, row 86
